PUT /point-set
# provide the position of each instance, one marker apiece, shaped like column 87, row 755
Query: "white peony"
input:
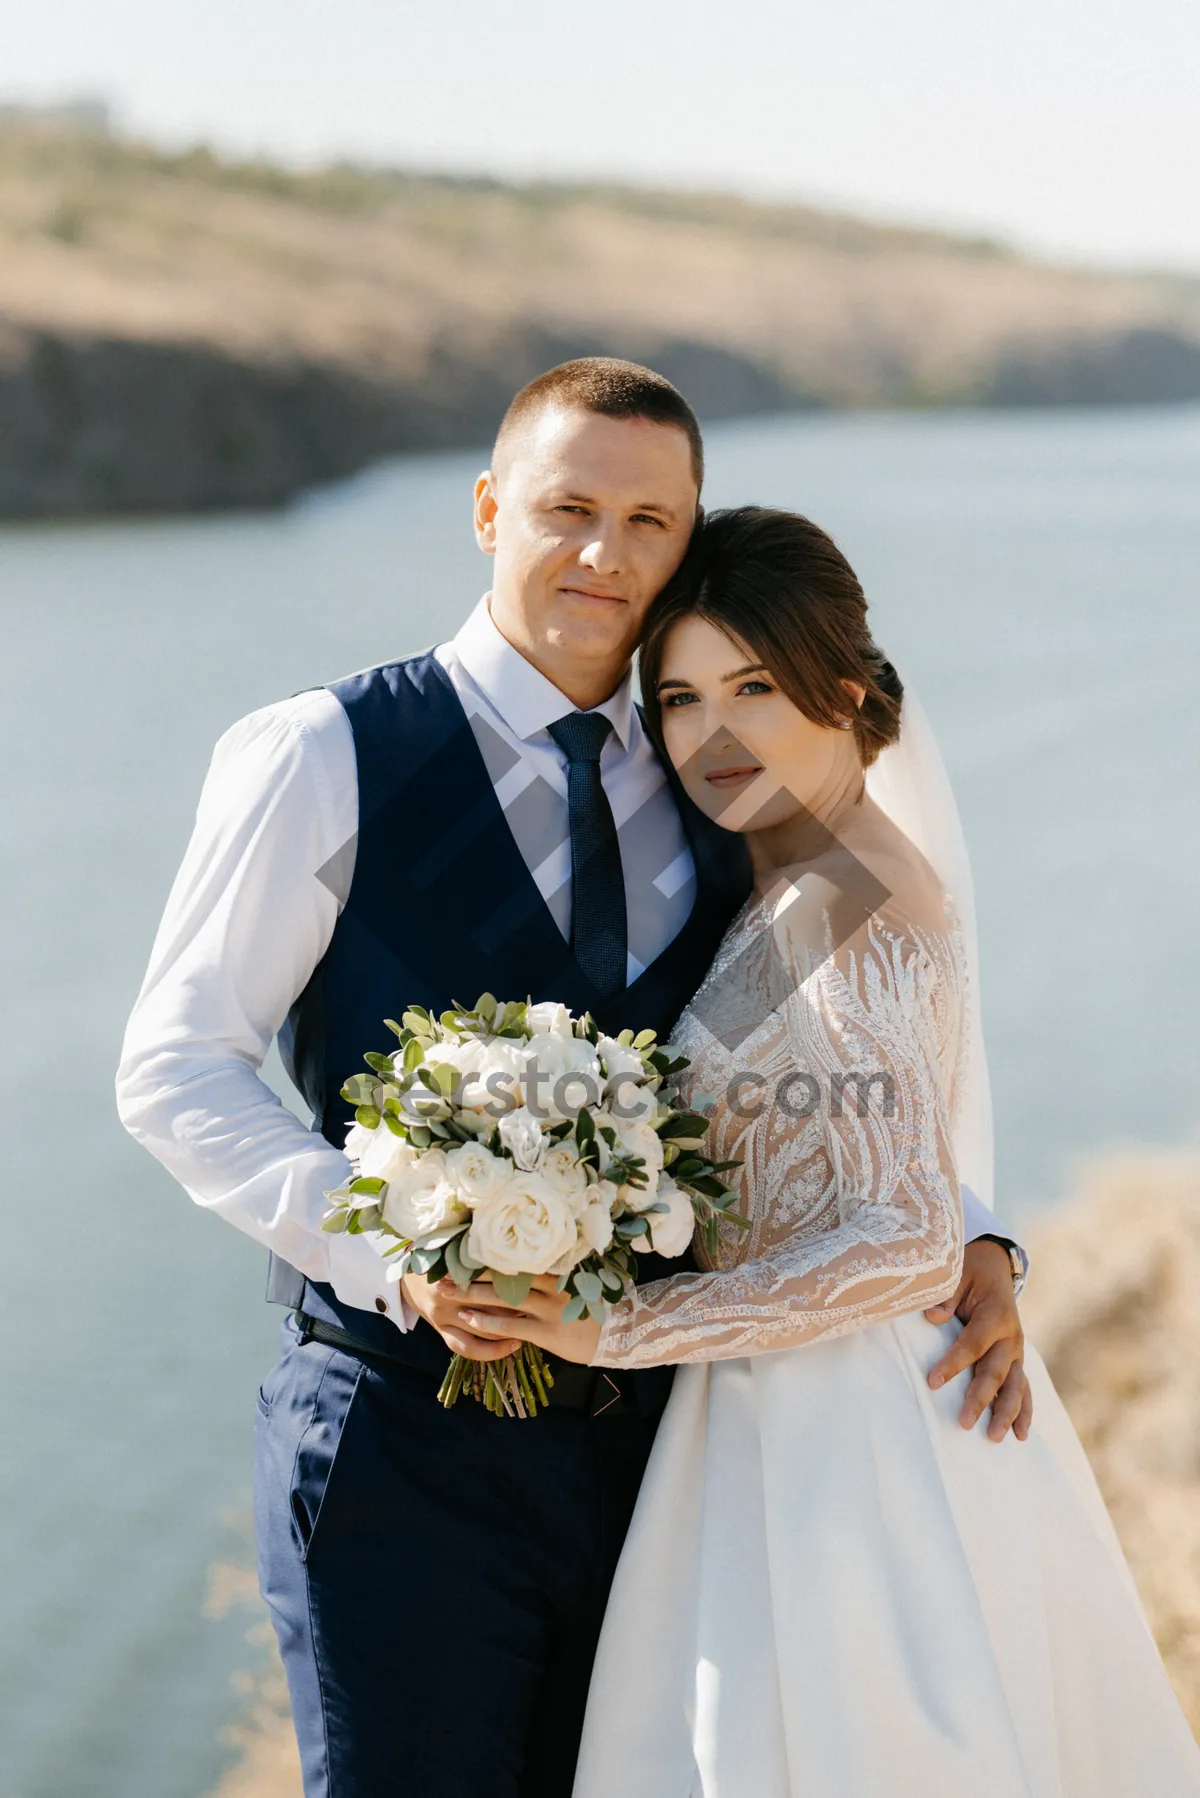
column 386, row 1156
column 548, row 1019
column 522, row 1229
column 422, row 1199
column 521, row 1134
column 620, row 1058
column 671, row 1230
column 465, row 1057
column 561, row 1170
column 496, row 1086
column 562, row 1075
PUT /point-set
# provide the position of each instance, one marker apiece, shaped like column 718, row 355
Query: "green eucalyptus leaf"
column 367, row 1183
column 368, row 1117
column 459, row 1272
column 644, row 1038
column 589, row 1286
column 574, row 1309
column 512, row 1289
column 335, row 1223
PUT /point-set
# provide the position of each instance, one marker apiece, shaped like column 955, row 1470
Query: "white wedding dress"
column 830, row 1590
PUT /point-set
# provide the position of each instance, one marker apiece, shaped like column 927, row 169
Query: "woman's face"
column 745, row 753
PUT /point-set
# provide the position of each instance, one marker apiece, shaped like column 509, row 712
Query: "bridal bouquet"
column 515, row 1140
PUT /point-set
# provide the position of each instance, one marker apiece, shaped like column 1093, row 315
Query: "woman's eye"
column 752, row 687
column 675, row 700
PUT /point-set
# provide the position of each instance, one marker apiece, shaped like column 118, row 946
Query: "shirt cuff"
column 359, row 1276
column 979, row 1220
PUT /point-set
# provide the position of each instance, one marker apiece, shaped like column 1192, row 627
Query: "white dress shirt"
column 255, row 903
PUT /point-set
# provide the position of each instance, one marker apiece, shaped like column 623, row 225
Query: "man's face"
column 587, row 518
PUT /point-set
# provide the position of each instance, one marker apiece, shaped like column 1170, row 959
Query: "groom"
column 407, row 835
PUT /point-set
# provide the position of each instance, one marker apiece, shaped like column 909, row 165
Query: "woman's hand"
column 537, row 1320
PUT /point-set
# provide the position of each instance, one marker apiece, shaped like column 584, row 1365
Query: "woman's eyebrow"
column 672, row 683
column 750, row 668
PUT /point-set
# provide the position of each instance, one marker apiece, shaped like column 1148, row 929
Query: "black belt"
column 575, row 1388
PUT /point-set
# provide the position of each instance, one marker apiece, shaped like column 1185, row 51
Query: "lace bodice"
column 830, row 1074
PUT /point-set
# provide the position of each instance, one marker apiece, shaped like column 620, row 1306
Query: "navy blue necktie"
column 599, row 929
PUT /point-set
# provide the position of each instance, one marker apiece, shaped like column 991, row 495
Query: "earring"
column 847, row 724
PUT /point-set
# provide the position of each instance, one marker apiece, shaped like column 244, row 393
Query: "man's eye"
column 677, row 699
column 754, row 686
column 648, row 518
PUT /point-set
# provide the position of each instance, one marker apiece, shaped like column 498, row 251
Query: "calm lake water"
column 1038, row 576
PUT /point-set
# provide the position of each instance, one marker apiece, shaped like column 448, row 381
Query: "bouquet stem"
column 515, row 1386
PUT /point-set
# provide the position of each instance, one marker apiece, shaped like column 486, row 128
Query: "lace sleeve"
column 855, row 1210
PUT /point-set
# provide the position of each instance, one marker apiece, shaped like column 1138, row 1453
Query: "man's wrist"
column 1015, row 1260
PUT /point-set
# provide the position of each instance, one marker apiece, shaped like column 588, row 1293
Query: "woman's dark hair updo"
column 780, row 585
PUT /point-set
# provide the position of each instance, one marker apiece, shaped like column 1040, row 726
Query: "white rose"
column 522, row 1229
column 422, row 1199
column 562, row 1075
column 548, row 1019
column 521, row 1134
column 595, row 1219
column 476, row 1173
column 386, row 1156
column 577, row 1252
column 631, row 1104
column 604, row 1192
column 671, row 1230
column 561, row 1170
column 620, row 1058
column 359, row 1140
column 635, row 1138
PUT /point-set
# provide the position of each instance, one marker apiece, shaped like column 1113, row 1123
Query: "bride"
column 828, row 1587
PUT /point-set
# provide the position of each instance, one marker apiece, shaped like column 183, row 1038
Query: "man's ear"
column 486, row 507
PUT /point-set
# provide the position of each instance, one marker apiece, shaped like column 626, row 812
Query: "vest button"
column 381, row 1304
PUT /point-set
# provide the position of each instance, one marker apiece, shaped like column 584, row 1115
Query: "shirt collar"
column 520, row 693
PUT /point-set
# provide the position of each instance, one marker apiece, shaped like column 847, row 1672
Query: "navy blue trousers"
column 437, row 1579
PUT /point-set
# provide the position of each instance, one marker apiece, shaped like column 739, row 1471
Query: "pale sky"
column 1071, row 126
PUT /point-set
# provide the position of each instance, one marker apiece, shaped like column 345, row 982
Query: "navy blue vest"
column 442, row 908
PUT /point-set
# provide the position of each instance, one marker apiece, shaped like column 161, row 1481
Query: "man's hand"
column 440, row 1303
column 993, row 1342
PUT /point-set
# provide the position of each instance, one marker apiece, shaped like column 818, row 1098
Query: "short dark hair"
column 614, row 389
column 779, row 584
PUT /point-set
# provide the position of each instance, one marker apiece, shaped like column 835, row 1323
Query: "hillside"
column 180, row 332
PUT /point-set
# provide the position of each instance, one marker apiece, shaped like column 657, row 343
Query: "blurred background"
column 267, row 278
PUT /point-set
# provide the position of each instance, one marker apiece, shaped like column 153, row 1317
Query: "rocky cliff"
column 178, row 332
